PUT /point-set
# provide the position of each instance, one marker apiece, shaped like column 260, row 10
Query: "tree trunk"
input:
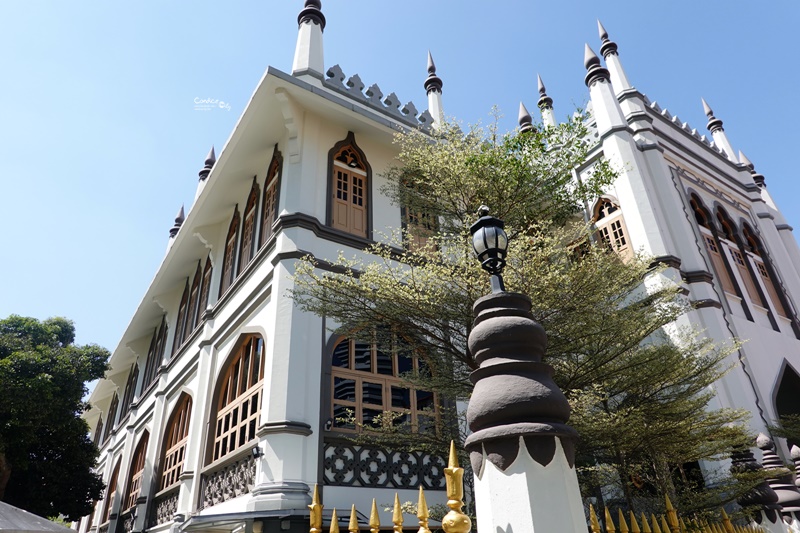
column 5, row 474
column 625, row 479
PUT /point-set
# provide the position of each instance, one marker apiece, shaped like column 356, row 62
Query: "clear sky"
column 100, row 141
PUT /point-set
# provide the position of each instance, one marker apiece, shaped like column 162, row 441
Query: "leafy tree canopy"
column 46, row 456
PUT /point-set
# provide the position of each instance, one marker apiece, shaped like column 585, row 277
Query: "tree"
column 46, row 457
column 625, row 377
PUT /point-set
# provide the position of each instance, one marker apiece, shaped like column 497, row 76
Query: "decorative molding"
column 361, row 466
column 707, row 302
column 782, row 227
column 707, row 187
column 283, row 427
column 281, row 487
column 697, row 276
column 668, row 260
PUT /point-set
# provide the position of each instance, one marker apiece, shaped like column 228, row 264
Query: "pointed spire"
column 397, row 515
column 374, row 519
column 334, row 522
column 525, row 120
column 422, row 512
column 545, row 102
column 608, row 46
column 594, row 70
column 315, row 512
column 757, row 177
column 312, row 12
column 179, row 218
column 211, row 158
column 714, row 124
column 352, row 527
column 432, row 82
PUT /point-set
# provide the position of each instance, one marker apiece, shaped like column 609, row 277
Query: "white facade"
column 290, row 132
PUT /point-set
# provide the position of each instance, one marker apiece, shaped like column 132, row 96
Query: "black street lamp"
column 490, row 243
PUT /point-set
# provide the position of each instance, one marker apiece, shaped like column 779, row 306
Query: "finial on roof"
column 432, row 82
column 757, row 176
column 179, row 218
column 545, row 102
column 312, row 12
column 608, row 46
column 525, row 120
column 211, row 158
column 594, row 70
column 714, row 124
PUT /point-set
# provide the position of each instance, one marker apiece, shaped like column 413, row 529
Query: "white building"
column 218, row 412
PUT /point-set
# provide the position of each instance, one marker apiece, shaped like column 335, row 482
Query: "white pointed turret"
column 433, row 86
column 717, row 133
column 308, row 56
column 525, row 120
column 605, row 107
column 608, row 49
column 545, row 104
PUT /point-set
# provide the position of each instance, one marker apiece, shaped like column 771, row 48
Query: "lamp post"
column 521, row 449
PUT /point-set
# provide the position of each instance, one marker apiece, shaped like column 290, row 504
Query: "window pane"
column 342, row 415
column 405, row 363
column 401, row 397
column 363, row 357
column 384, row 361
column 426, row 424
column 401, row 419
column 424, row 399
column 344, row 389
column 372, row 393
column 341, row 355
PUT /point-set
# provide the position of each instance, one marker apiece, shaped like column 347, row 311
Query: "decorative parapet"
column 164, row 507
column 361, row 466
column 374, row 99
column 683, row 126
column 228, row 481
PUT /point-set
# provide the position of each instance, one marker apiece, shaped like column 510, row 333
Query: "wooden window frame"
column 355, row 170
column 247, row 247
column 762, row 270
column 205, row 288
column 177, row 436
column 136, row 473
column 229, row 257
column 180, row 324
column 238, row 399
column 130, row 389
column 111, row 491
column 611, row 228
column 387, row 383
column 269, row 203
column 98, row 432
column 111, row 418
column 155, row 354
column 192, row 307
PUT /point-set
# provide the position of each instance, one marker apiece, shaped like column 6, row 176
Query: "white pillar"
column 308, row 54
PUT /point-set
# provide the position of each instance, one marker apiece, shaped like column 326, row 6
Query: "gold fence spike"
column 654, row 524
column 727, row 522
column 352, row 527
column 315, row 512
column 609, row 523
column 645, row 525
column 665, row 525
column 684, row 527
column 634, row 523
column 672, row 516
column 422, row 512
column 397, row 515
column 374, row 519
column 593, row 523
column 334, row 522
column 623, row 527
column 455, row 521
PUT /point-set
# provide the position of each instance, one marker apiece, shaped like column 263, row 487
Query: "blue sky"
column 101, row 142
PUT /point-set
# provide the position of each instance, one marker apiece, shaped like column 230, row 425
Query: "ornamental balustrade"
column 165, row 505
column 228, row 480
column 362, row 466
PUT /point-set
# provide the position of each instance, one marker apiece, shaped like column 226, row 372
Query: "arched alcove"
column 787, row 396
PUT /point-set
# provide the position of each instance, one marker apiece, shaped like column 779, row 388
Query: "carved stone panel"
column 164, row 508
column 227, row 482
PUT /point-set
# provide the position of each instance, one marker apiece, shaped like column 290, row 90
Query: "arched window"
column 367, row 386
column 228, row 260
column 111, row 492
column 611, row 227
column 248, row 246
column 155, row 354
column 111, row 419
column 272, row 187
column 754, row 252
column 710, row 242
column 729, row 241
column 136, row 473
column 238, row 401
column 205, row 288
column 349, row 188
column 194, row 298
column 130, row 390
column 175, row 443
column 98, row 431
column 180, row 324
